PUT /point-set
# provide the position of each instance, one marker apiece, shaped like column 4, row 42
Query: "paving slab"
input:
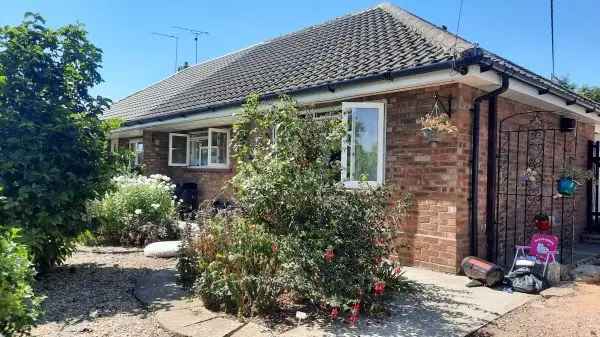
column 440, row 306
column 252, row 329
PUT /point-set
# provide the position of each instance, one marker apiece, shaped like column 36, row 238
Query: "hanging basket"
column 566, row 186
column 431, row 135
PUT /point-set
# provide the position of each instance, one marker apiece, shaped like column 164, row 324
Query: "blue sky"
column 133, row 58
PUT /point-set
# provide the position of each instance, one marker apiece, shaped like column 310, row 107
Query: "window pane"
column 218, row 151
column 178, row 149
column 194, row 153
column 364, row 152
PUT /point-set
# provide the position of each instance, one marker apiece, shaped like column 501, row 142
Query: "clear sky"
column 133, row 58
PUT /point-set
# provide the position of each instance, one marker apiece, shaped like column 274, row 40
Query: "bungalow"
column 477, row 190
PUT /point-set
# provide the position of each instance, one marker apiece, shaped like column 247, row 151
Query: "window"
column 218, row 142
column 114, row 145
column 137, row 147
column 208, row 148
column 199, row 150
column 364, row 145
column 178, row 149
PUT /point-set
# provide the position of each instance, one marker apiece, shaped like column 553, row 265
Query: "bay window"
column 208, row 148
column 363, row 147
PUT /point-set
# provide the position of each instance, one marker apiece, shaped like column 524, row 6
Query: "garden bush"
column 332, row 242
column 52, row 143
column 138, row 210
column 237, row 265
column 19, row 307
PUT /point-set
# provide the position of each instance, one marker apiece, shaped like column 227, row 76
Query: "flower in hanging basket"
column 435, row 124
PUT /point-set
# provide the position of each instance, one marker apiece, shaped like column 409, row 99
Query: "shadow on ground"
column 426, row 310
column 82, row 292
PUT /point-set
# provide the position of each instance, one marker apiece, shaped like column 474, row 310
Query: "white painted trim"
column 381, row 130
column 213, row 165
column 187, row 149
column 135, row 142
column 528, row 94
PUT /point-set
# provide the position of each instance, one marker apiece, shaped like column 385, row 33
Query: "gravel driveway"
column 92, row 295
column 576, row 315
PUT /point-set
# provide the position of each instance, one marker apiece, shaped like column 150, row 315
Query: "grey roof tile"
column 372, row 42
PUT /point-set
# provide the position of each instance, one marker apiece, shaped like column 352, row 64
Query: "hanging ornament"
column 437, row 122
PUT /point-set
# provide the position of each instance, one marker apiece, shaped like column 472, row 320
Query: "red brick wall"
column 435, row 235
column 211, row 182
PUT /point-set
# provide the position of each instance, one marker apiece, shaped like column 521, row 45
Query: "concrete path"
column 440, row 306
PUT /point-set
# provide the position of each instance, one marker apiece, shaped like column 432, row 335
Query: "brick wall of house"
column 212, row 183
column 435, row 235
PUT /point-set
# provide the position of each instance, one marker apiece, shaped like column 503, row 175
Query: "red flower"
column 379, row 287
column 274, row 248
column 356, row 308
column 353, row 319
column 329, row 254
column 334, row 312
column 397, row 271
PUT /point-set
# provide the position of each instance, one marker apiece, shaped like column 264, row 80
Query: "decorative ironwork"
column 531, row 150
column 593, row 188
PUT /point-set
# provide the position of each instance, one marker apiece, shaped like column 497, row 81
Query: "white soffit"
column 487, row 81
column 527, row 94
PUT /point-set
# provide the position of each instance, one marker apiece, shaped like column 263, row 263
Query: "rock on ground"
column 162, row 249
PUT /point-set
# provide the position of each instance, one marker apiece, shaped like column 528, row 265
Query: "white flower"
column 137, row 211
column 155, row 206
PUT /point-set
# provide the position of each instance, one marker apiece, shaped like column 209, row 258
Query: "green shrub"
column 19, row 307
column 238, row 266
column 137, row 211
column 52, row 143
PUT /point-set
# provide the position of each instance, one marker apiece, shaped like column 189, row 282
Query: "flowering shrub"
column 238, row 265
column 137, row 211
column 19, row 307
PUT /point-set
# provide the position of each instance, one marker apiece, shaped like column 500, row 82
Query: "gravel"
column 92, row 295
column 573, row 315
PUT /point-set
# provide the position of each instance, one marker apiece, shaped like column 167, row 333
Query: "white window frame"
column 187, row 148
column 210, row 132
column 209, row 165
column 114, row 145
column 347, row 108
column 135, row 143
column 193, row 139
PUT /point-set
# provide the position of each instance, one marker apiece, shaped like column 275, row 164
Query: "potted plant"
column 569, row 177
column 433, row 125
column 542, row 221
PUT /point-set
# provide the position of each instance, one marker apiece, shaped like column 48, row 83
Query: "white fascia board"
column 527, row 94
column 225, row 116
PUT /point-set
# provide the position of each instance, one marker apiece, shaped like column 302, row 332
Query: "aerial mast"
column 196, row 33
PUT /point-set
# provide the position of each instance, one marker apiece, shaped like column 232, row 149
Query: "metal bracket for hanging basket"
column 438, row 100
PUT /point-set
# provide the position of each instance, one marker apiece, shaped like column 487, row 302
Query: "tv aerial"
column 172, row 37
column 194, row 32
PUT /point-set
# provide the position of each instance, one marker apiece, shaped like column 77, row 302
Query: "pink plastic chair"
column 541, row 250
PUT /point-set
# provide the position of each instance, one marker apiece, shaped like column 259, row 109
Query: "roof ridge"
column 427, row 29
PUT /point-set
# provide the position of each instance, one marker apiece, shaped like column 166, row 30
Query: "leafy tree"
column 52, row 143
column 590, row 92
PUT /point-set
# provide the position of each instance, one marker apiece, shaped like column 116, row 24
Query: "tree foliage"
column 587, row 91
column 52, row 144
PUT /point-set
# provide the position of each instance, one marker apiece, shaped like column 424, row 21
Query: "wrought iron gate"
column 532, row 149
column 593, row 192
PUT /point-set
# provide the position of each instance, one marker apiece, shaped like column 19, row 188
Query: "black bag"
column 524, row 281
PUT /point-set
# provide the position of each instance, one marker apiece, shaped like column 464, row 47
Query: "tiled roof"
column 384, row 39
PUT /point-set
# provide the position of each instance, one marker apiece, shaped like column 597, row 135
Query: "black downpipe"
column 491, row 166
